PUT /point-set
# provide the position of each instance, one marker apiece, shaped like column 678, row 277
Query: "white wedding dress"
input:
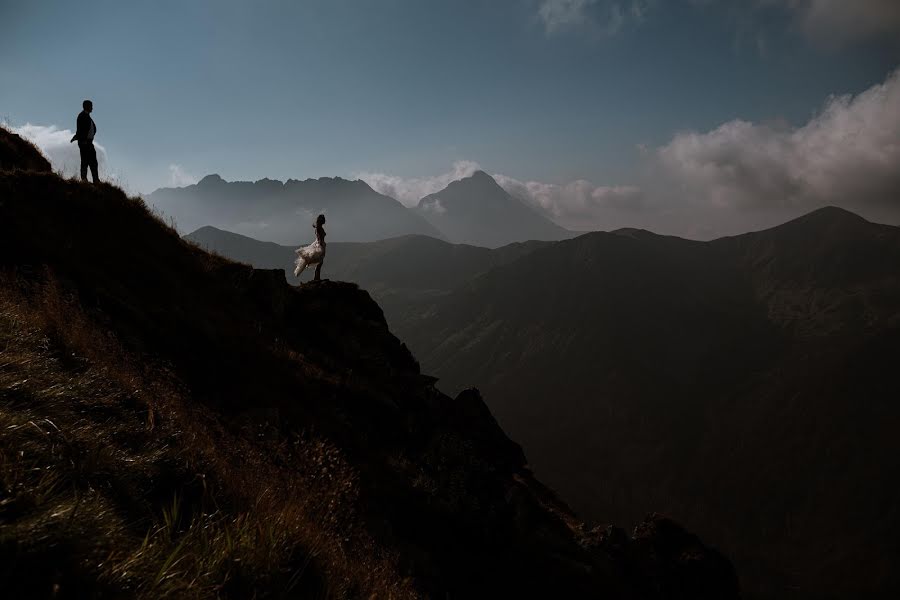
column 308, row 255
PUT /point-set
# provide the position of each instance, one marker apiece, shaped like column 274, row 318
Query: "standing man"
column 85, row 131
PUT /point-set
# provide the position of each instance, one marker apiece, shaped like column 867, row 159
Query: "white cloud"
column 63, row 155
column 837, row 21
column 606, row 17
column 178, row 177
column 434, row 205
column 739, row 176
column 557, row 14
column 848, row 154
column 579, row 204
column 410, row 190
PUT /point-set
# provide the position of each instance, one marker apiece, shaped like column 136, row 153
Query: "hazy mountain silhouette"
column 176, row 424
column 475, row 210
column 284, row 212
column 747, row 385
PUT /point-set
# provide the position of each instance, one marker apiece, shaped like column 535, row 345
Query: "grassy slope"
column 125, row 460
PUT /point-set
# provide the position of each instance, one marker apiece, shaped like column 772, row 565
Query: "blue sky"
column 540, row 91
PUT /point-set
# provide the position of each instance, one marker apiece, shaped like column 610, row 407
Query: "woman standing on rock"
column 314, row 254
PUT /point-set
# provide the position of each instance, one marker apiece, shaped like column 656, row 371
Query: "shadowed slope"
column 743, row 384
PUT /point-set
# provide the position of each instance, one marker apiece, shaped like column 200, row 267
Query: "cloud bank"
column 738, row 176
column 178, row 177
column 410, row 190
column 63, row 155
column 578, row 205
column 847, row 154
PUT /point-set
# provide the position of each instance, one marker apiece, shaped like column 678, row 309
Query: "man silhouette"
column 85, row 131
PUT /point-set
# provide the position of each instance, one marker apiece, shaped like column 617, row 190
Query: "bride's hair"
column 319, row 220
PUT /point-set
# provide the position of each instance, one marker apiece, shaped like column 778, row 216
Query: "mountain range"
column 284, row 212
column 474, row 210
column 745, row 385
column 403, row 274
column 176, row 424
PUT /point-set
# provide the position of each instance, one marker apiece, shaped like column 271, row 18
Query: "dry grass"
column 109, row 472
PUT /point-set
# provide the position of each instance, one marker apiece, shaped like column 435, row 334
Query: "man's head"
column 87, row 105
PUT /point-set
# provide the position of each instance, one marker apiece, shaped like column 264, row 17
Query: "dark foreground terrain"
column 175, row 424
column 746, row 386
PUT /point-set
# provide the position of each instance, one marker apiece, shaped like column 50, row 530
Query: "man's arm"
column 81, row 127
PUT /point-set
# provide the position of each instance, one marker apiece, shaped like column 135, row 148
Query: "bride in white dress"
column 314, row 254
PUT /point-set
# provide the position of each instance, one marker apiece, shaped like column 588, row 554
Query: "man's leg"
column 93, row 164
column 318, row 271
column 82, row 149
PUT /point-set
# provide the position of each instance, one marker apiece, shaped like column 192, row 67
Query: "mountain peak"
column 481, row 178
column 476, row 210
column 213, row 178
column 828, row 217
column 832, row 213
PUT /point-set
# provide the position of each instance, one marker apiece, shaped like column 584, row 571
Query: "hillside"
column 18, row 153
column 284, row 212
column 403, row 274
column 477, row 211
column 744, row 385
column 175, row 424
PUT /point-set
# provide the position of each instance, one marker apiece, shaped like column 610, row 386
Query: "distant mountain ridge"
column 476, row 210
column 744, row 384
column 738, row 383
column 402, row 273
column 284, row 212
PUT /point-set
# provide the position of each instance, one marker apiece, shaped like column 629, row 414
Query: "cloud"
column 847, row 154
column 434, row 205
column 63, row 156
column 579, row 204
column 837, row 21
column 606, row 17
column 557, row 14
column 410, row 190
column 738, row 176
column 178, row 177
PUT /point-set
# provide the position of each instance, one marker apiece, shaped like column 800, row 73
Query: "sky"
column 694, row 117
